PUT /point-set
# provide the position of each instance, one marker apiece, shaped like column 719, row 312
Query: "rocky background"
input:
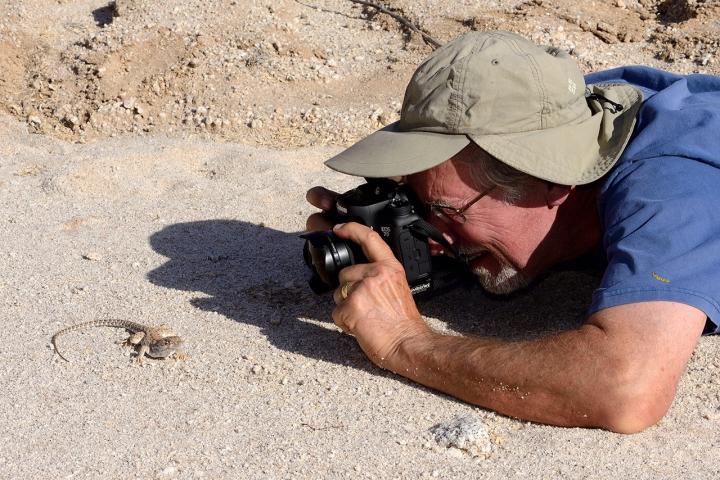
column 290, row 73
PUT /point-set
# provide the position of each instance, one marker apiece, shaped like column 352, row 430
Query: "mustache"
column 470, row 252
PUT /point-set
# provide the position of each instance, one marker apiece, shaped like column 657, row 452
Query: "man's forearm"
column 569, row 379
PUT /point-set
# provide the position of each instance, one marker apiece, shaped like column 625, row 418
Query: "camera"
column 392, row 210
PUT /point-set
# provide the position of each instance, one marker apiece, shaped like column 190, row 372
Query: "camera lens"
column 326, row 254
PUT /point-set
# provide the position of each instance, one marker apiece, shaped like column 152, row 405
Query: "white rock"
column 465, row 433
column 169, row 470
column 129, row 103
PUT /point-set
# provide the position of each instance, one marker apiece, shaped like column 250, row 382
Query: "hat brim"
column 572, row 154
column 391, row 152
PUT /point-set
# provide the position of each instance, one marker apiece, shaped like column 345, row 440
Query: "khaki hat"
column 524, row 104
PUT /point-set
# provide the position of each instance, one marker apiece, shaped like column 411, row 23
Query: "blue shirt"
column 660, row 205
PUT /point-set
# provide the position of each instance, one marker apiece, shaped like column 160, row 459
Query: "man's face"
column 501, row 240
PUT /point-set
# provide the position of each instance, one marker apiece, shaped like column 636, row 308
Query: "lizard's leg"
column 141, row 353
column 134, row 339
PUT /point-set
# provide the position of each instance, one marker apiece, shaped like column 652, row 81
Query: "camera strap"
column 427, row 230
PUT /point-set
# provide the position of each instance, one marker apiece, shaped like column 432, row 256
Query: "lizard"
column 156, row 342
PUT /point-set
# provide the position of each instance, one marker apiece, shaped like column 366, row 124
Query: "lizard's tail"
column 57, row 350
column 106, row 322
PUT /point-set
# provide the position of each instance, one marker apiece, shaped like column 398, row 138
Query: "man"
column 524, row 168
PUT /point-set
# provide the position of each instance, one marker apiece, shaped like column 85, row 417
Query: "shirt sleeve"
column 661, row 234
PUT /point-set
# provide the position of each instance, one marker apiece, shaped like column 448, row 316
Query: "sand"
column 203, row 236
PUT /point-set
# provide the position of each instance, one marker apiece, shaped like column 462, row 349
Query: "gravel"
column 337, row 68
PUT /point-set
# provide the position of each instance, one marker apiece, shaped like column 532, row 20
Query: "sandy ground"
column 185, row 219
column 203, row 236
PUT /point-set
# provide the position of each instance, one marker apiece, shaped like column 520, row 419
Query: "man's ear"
column 557, row 194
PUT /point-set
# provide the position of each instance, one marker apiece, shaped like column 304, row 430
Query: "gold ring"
column 344, row 290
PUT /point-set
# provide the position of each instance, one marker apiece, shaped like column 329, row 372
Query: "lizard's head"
column 165, row 347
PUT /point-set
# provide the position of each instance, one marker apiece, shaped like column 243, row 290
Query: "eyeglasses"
column 451, row 214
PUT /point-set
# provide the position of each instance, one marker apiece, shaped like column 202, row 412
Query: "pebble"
column 129, row 103
column 91, row 256
column 375, row 115
column 34, row 121
column 464, row 433
column 169, row 470
column 256, row 369
column 71, row 120
column 710, row 414
column 606, row 27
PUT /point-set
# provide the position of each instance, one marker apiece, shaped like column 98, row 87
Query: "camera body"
column 387, row 208
column 391, row 210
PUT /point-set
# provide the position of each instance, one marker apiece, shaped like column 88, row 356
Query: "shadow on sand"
column 255, row 275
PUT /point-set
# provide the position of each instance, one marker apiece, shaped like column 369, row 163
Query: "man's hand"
column 323, row 199
column 379, row 309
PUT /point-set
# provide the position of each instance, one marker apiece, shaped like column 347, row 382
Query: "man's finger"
column 318, row 222
column 321, row 198
column 374, row 247
column 337, row 317
column 356, row 273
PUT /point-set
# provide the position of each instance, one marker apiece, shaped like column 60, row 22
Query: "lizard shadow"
column 256, row 275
